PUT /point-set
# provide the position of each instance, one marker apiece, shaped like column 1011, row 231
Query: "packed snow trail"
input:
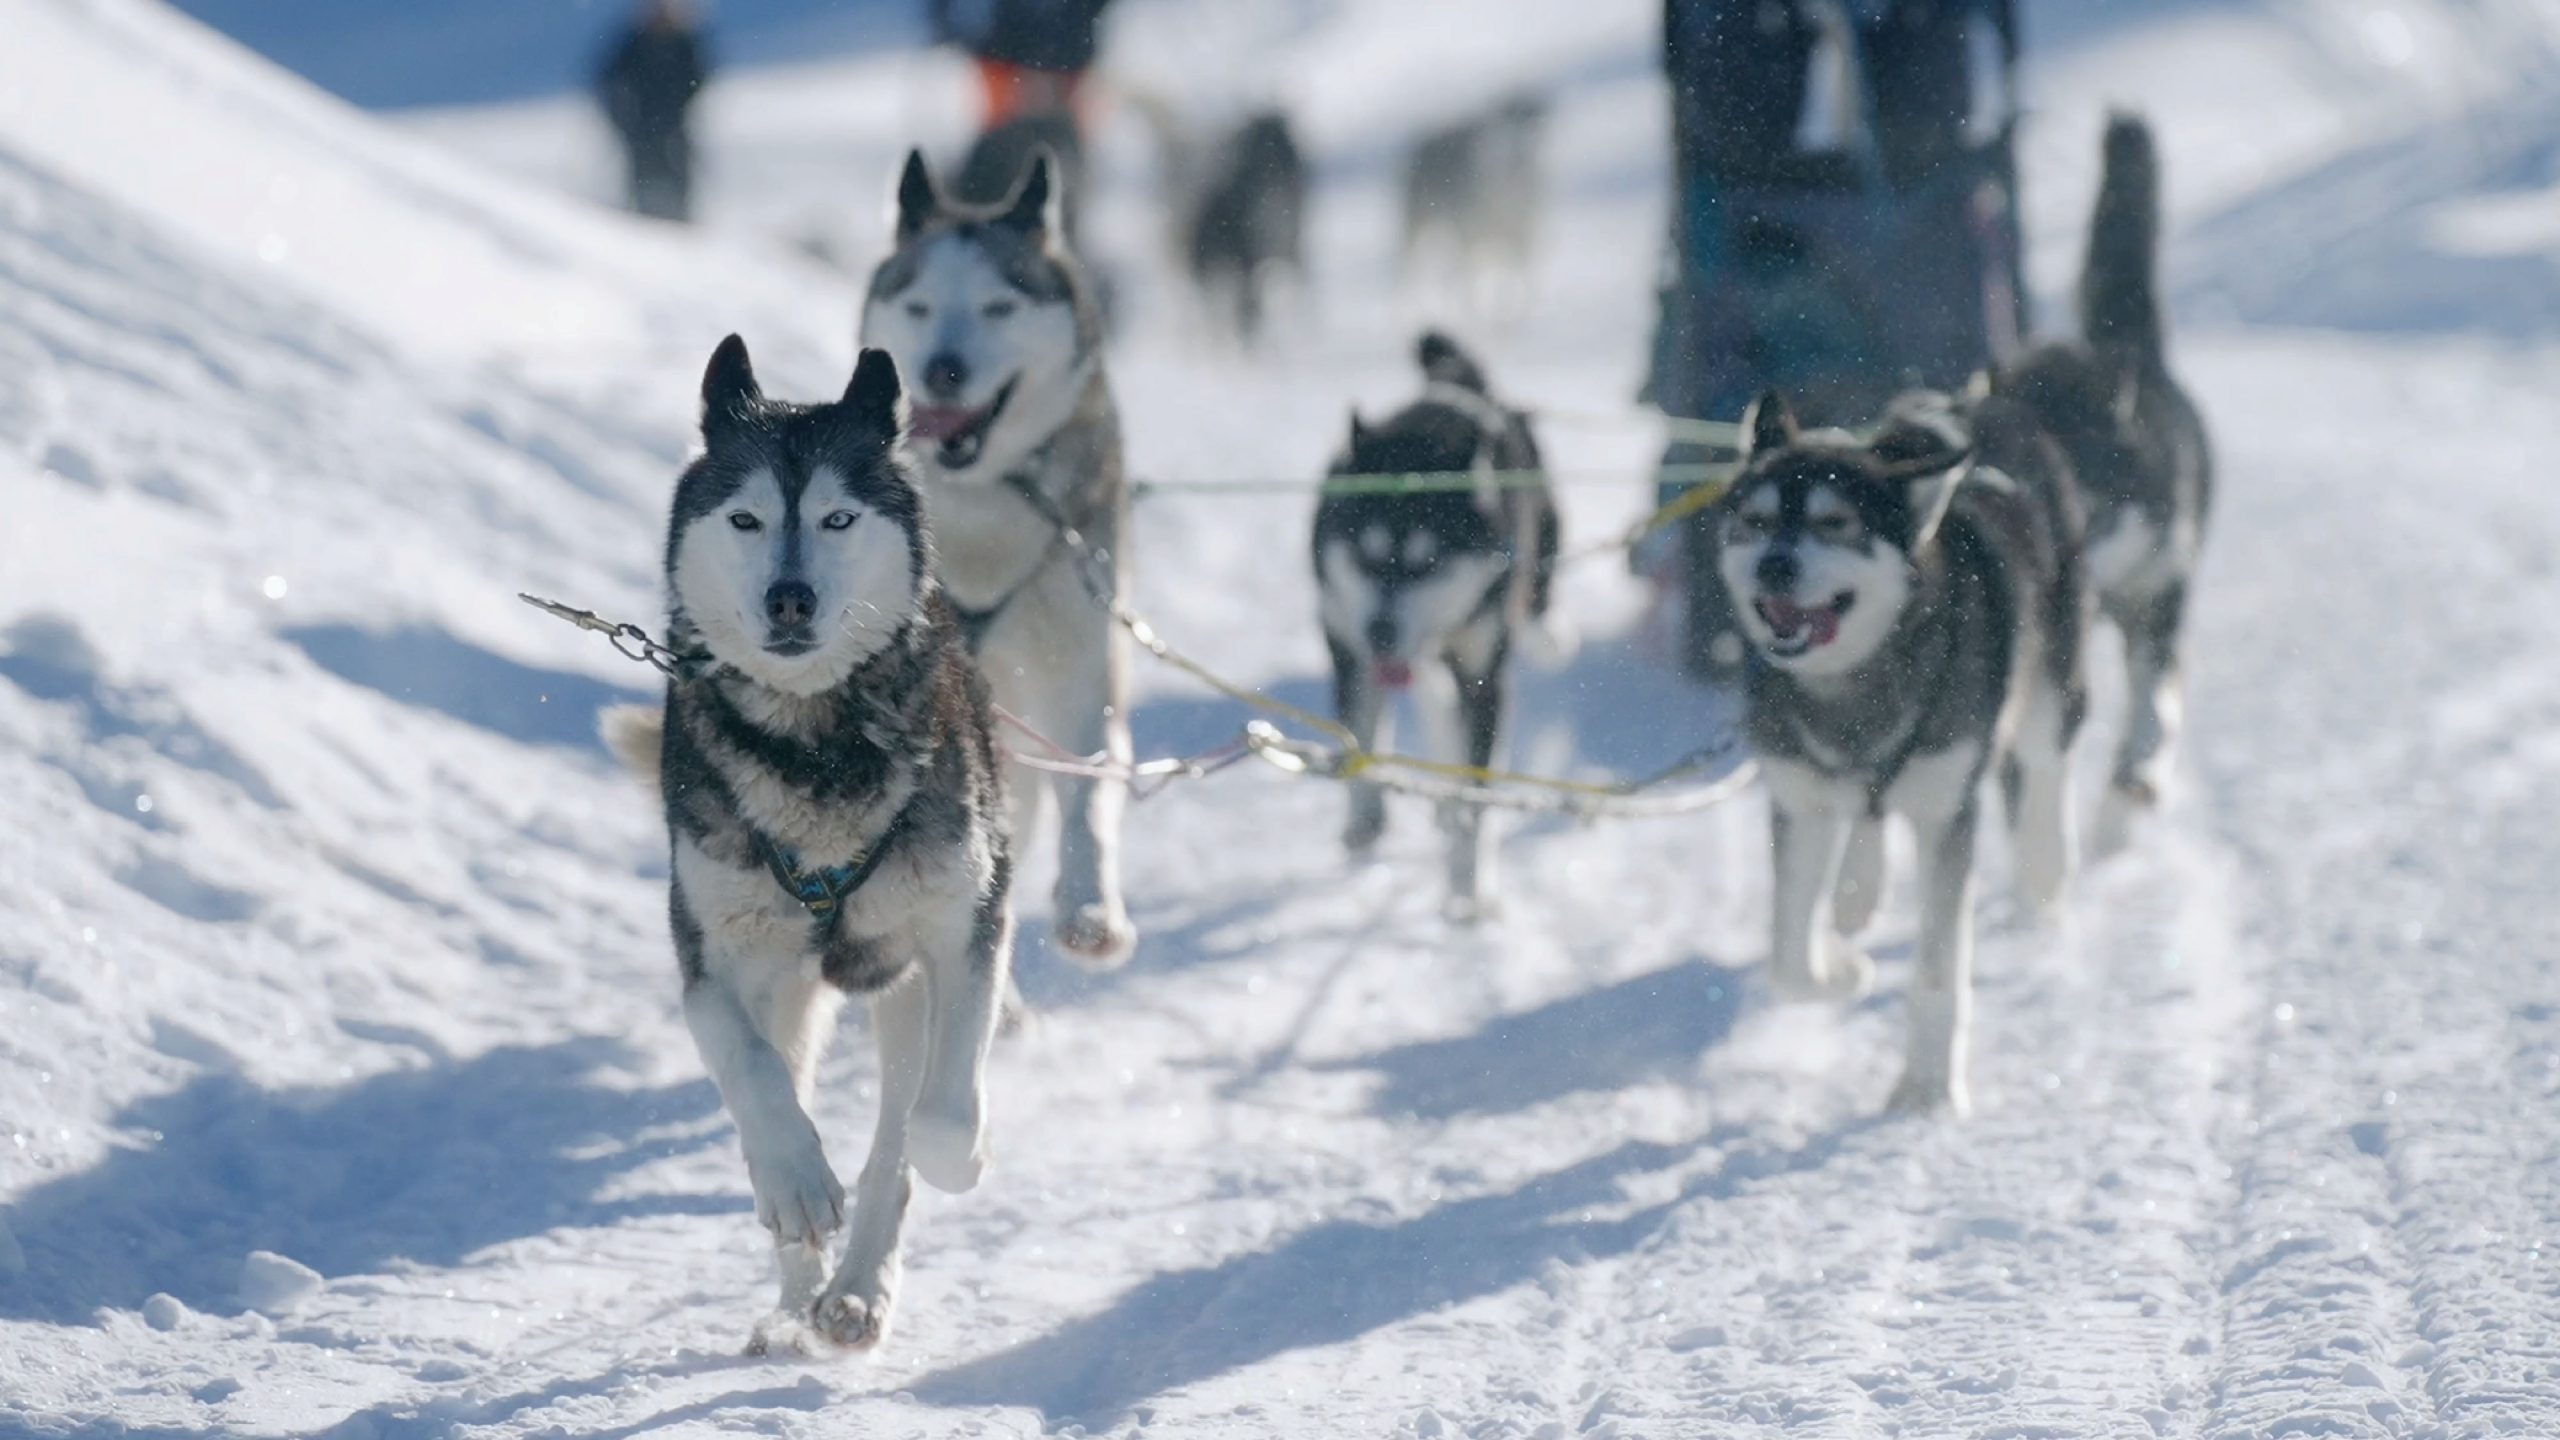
column 337, row 941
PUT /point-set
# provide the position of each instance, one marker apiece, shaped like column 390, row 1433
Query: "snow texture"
column 333, row 934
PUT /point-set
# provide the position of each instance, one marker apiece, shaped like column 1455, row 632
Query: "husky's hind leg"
column 2036, row 779
column 2156, row 707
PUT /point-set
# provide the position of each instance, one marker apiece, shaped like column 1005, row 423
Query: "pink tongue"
column 1782, row 614
column 938, row 422
column 1394, row 674
column 1826, row 626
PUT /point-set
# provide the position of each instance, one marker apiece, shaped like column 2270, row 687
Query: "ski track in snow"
column 335, row 937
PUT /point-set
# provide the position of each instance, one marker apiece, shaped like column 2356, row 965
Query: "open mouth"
column 959, row 432
column 1795, row 629
column 1392, row 674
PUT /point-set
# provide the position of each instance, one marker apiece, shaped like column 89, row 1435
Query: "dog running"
column 835, row 817
column 1433, row 589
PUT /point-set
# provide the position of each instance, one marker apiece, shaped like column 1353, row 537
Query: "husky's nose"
column 1382, row 635
column 1778, row 571
column 945, row 373
column 789, row 604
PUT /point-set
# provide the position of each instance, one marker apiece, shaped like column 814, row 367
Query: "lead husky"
column 834, row 808
column 1917, row 613
column 1431, row 588
column 1015, row 434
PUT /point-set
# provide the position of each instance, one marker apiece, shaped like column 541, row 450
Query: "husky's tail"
column 1444, row 363
column 2120, row 285
column 637, row 736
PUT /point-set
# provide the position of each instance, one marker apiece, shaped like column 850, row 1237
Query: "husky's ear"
column 1034, row 205
column 729, row 390
column 918, row 201
column 1770, row 424
column 1359, row 432
column 874, row 396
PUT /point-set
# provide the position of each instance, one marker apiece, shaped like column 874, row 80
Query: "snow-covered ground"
column 330, row 936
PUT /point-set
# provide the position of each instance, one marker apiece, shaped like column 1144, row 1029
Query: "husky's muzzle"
column 959, row 432
column 1795, row 628
column 790, row 612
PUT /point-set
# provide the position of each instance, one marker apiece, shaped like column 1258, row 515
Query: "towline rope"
column 1340, row 756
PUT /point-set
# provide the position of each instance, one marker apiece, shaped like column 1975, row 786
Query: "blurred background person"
column 1031, row 55
column 647, row 87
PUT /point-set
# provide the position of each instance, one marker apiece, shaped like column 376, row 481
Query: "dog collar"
column 823, row 891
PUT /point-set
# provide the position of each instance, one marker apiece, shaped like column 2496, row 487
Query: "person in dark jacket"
column 647, row 84
column 1032, row 55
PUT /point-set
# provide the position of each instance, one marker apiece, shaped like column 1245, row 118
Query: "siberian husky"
column 835, row 812
column 1917, row 613
column 1248, row 223
column 2138, row 450
column 1471, row 201
column 1431, row 588
column 1014, row 434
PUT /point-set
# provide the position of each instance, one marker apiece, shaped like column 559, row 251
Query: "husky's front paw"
column 797, row 1196
column 2120, row 810
column 948, row 1151
column 1096, row 936
column 783, row 1332
column 851, row 1319
column 2044, row 881
column 1929, row 1091
column 1841, row 972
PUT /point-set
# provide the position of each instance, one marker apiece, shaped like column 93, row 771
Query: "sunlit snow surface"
column 330, row 938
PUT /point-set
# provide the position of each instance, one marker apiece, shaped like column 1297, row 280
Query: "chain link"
column 634, row 642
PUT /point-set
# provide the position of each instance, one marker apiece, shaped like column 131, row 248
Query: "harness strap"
column 823, row 891
column 976, row 621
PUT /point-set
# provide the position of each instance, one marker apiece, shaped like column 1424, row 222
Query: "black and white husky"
column 2138, row 451
column 1247, row 225
column 1014, row 433
column 835, row 812
column 1472, row 195
column 1916, row 614
column 1432, row 588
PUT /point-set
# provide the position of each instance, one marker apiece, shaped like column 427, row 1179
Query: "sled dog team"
column 857, row 584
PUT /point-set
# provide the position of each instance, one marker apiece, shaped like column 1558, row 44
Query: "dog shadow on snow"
column 1649, row 1027
column 1341, row 1279
column 425, row 1165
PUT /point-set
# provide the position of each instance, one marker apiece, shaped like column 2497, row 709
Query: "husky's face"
column 1399, row 574
column 1819, row 539
column 982, row 310
column 795, row 551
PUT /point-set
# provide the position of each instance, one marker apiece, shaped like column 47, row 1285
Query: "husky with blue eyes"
column 836, row 821
column 1915, row 612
